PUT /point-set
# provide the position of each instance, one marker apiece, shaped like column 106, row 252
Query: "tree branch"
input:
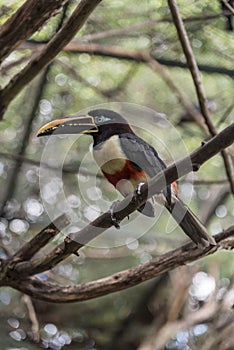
column 158, row 341
column 138, row 26
column 15, row 273
column 33, row 95
column 55, row 45
column 128, row 205
column 41, row 239
column 228, row 6
column 145, row 56
column 66, row 168
column 188, row 51
column 24, row 22
column 122, row 53
column 137, row 56
column 121, row 280
column 33, row 318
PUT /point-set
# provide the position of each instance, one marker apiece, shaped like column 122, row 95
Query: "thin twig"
column 225, row 114
column 138, row 26
column 33, row 318
column 33, row 95
column 208, row 182
column 145, row 56
column 66, row 168
column 158, row 341
column 188, row 51
column 4, row 69
column 228, row 6
column 196, row 115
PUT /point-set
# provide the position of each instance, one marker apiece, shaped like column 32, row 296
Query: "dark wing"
column 143, row 157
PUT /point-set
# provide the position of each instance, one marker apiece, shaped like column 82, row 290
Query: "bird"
column 127, row 161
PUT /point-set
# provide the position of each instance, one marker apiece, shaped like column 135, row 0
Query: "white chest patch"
column 109, row 156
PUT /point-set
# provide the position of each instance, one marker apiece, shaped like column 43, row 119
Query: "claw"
column 113, row 218
column 138, row 189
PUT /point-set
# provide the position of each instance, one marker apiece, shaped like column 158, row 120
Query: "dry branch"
column 145, row 57
column 66, row 168
column 55, row 45
column 157, row 341
column 129, row 204
column 228, row 6
column 18, row 82
column 41, row 239
column 24, row 22
column 122, row 280
column 13, row 267
column 33, row 318
column 188, row 51
column 122, row 53
column 34, row 95
column 138, row 26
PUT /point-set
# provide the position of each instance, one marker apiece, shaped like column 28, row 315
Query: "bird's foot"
column 138, row 189
column 114, row 220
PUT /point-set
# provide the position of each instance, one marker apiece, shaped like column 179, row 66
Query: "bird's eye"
column 101, row 119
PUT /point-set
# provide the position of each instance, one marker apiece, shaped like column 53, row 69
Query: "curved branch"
column 129, row 204
column 15, row 273
column 124, row 279
column 122, row 53
column 55, row 45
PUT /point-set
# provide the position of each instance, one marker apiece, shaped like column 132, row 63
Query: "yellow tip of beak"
column 47, row 128
column 69, row 125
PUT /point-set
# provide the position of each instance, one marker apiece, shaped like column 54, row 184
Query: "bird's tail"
column 190, row 224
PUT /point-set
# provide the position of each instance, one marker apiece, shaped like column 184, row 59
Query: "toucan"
column 127, row 161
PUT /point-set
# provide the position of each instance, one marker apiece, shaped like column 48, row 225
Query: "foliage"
column 75, row 81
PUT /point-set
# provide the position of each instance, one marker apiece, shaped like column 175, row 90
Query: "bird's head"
column 96, row 122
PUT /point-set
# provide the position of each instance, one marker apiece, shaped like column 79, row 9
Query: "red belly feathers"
column 128, row 173
column 131, row 174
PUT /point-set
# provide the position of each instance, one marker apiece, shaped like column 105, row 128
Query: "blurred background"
column 188, row 308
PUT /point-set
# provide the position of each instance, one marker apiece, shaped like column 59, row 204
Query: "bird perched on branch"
column 127, row 161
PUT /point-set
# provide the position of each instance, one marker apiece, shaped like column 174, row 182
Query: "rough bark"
column 24, row 22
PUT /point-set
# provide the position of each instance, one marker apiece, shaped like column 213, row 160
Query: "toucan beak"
column 83, row 124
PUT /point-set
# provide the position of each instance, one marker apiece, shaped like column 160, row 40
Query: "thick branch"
column 122, row 280
column 129, row 204
column 74, row 23
column 24, row 22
